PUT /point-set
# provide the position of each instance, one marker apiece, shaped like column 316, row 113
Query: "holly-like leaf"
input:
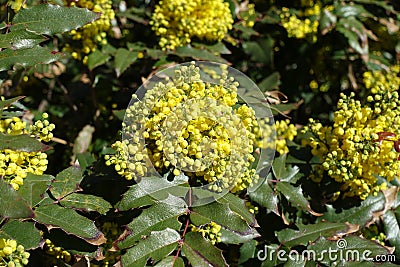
column 97, row 58
column 24, row 233
column 237, row 205
column 151, row 188
column 157, row 246
column 158, row 217
column 21, row 142
column 34, row 188
column 265, row 196
column 284, row 172
column 66, row 182
column 361, row 215
column 86, row 203
column 123, row 59
column 201, row 252
column 232, row 237
column 27, row 57
column 247, row 251
column 20, row 39
column 222, row 215
column 55, row 216
column 51, row 19
column 12, row 205
column 199, row 54
column 295, row 196
column 311, row 232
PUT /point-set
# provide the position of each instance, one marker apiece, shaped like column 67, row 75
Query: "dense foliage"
column 94, row 171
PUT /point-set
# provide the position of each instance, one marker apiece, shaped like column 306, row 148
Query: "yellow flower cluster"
column 363, row 142
column 12, row 254
column 93, row 34
column 297, row 27
column 284, row 131
column 250, row 206
column 191, row 126
column 210, row 231
column 15, row 165
column 15, row 4
column 57, row 252
column 178, row 21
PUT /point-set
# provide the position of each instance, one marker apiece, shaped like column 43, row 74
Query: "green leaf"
column 348, row 249
column 20, row 39
column 123, row 59
column 85, row 159
column 265, row 196
column 34, row 188
column 270, row 83
column 9, row 102
column 143, row 194
column 24, row 233
column 158, row 217
column 222, row 215
column 52, row 19
column 392, row 230
column 358, row 215
column 352, row 10
column 355, row 33
column 97, row 58
column 294, row 195
column 233, row 237
column 311, row 232
column 199, row 54
column 284, row 172
column 171, row 261
column 21, row 142
column 158, row 245
column 247, row 251
column 69, row 221
column 200, row 252
column 12, row 205
column 27, row 57
column 269, row 255
column 66, row 182
column 218, row 48
column 86, row 203
column 237, row 205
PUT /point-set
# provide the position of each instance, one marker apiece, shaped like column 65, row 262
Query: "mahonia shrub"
column 215, row 150
column 362, row 144
column 12, row 254
column 15, row 165
column 88, row 38
column 177, row 22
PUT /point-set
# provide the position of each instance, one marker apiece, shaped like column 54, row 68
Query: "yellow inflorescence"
column 299, row 28
column 12, row 254
column 210, row 231
column 363, row 142
column 214, row 142
column 178, row 21
column 15, row 165
column 93, row 34
column 284, row 131
column 57, row 252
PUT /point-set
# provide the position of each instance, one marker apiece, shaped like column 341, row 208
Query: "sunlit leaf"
column 157, row 246
column 200, row 252
column 51, row 19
